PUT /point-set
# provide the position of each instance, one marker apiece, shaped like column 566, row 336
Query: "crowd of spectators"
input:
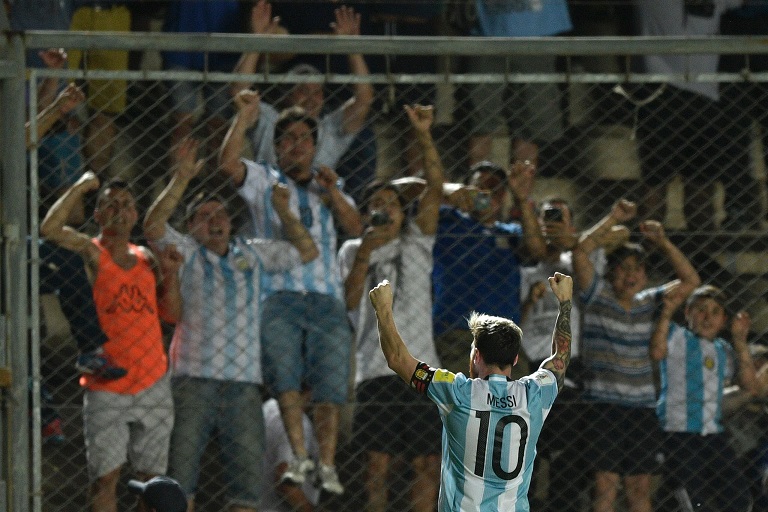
column 700, row 132
column 273, row 306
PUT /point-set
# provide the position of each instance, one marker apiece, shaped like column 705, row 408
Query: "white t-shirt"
column 540, row 322
column 407, row 263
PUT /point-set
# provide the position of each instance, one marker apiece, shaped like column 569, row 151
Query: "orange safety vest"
column 126, row 303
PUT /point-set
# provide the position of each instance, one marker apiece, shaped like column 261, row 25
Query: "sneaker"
column 94, row 363
column 52, row 432
column 329, row 480
column 298, row 470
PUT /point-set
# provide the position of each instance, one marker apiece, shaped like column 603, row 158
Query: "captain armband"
column 421, row 377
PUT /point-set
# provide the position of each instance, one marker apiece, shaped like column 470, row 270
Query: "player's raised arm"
column 557, row 363
column 399, row 359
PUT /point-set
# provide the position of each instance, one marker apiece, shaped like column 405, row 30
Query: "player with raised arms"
column 491, row 423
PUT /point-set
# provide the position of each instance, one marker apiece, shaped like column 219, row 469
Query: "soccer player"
column 490, row 422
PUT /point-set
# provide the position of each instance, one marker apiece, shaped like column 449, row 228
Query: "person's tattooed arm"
column 558, row 362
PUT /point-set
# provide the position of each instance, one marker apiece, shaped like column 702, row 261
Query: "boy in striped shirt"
column 490, row 422
column 694, row 364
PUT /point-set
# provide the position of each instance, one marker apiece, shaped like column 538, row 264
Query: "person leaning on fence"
column 695, row 364
column 491, row 423
column 390, row 421
column 619, row 312
column 478, row 257
column 335, row 130
column 62, row 272
column 215, row 351
column 305, row 334
column 129, row 418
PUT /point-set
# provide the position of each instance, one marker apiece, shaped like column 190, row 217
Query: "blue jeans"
column 306, row 337
column 233, row 410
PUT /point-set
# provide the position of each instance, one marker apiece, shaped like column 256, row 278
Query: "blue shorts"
column 231, row 409
column 306, row 337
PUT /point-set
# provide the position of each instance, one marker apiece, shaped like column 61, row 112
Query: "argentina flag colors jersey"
column 320, row 275
column 490, row 430
column 693, row 376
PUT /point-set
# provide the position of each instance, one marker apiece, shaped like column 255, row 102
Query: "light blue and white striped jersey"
column 693, row 376
column 490, row 430
column 615, row 342
column 320, row 275
column 218, row 334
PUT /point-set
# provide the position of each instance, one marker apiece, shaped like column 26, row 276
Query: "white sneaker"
column 329, row 480
column 298, row 470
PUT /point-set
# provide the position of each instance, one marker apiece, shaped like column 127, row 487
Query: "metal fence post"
column 14, row 360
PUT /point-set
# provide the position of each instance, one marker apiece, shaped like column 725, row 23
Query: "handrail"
column 398, row 45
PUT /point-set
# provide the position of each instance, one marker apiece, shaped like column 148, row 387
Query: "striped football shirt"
column 490, row 430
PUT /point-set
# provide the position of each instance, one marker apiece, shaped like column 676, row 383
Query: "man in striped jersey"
column 215, row 351
column 695, row 364
column 490, row 423
column 305, row 334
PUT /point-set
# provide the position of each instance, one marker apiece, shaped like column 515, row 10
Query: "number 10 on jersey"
column 511, row 430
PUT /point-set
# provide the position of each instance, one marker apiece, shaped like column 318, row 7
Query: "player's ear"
column 477, row 356
column 514, row 363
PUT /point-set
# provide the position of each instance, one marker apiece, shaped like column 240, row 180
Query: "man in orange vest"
column 129, row 418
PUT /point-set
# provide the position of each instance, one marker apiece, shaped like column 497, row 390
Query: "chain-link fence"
column 694, row 161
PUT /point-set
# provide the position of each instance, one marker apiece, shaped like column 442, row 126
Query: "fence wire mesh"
column 694, row 163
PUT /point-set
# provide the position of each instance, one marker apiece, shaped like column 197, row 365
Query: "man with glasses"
column 305, row 333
